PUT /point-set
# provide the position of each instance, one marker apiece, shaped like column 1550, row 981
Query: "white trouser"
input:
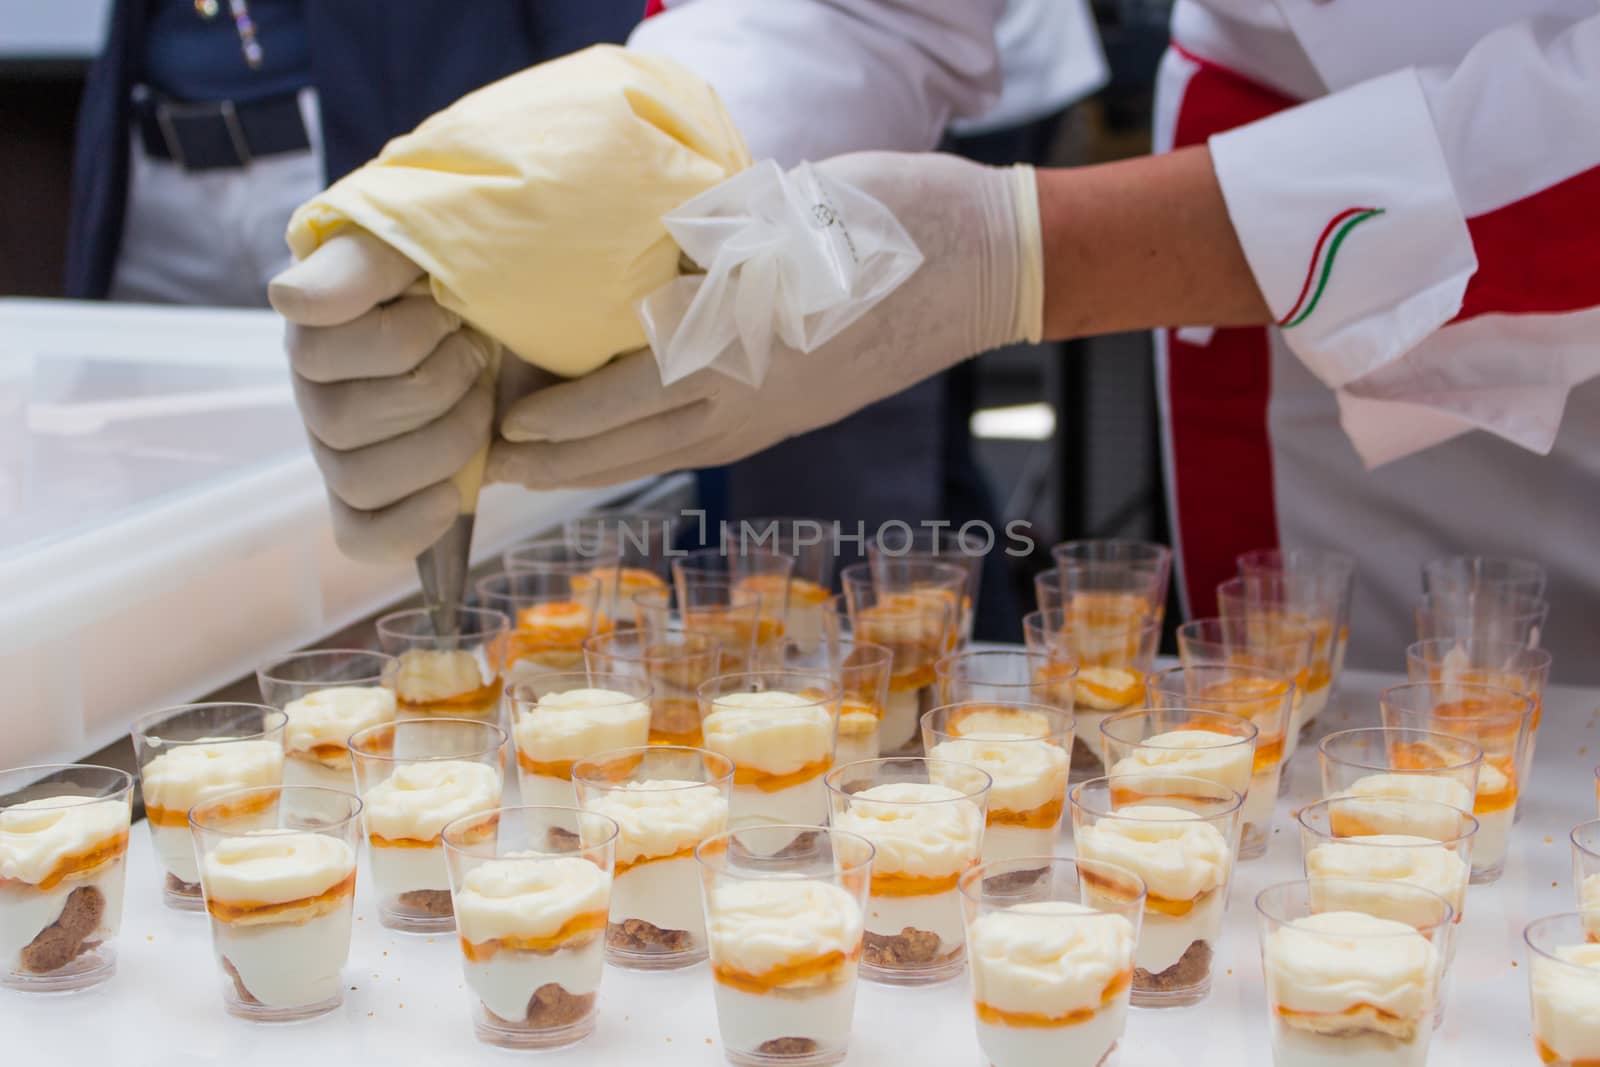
column 212, row 236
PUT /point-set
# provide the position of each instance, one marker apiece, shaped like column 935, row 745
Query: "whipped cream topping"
column 580, row 722
column 1393, row 808
column 772, row 731
column 1400, row 786
column 914, row 835
column 528, row 897
column 758, row 926
column 1208, row 754
column 997, row 721
column 1100, row 688
column 187, row 774
column 1178, row 855
column 37, row 835
column 429, row 674
column 1027, row 773
column 1048, row 958
column 330, row 716
column 418, row 799
column 661, row 818
column 276, row 866
column 1337, row 960
column 1418, row 861
column 563, row 619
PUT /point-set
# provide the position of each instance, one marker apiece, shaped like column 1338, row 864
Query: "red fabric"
column 1560, row 273
column 654, row 7
column 1218, row 394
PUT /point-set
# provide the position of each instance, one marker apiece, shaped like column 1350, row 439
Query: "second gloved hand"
column 980, row 286
column 393, row 390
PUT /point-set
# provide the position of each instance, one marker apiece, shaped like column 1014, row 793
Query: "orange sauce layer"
column 772, row 783
column 1045, row 817
column 481, row 832
column 911, row 885
column 579, row 927
column 560, row 768
column 229, row 911
column 1353, row 1010
column 1163, row 905
column 860, row 705
column 1119, row 696
column 1549, row 1055
column 1417, row 756
column 252, row 805
column 622, row 868
column 987, row 1013
column 1268, row 755
column 1122, row 796
column 789, row 974
column 481, row 701
column 78, row 862
column 917, row 676
column 326, row 750
column 686, row 739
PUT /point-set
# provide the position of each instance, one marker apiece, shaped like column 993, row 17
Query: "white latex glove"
column 980, row 286
column 392, row 390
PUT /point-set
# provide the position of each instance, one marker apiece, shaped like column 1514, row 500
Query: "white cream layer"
column 418, row 799
column 748, row 1020
column 1047, row 959
column 773, row 731
column 1015, row 842
column 329, row 716
column 805, row 804
column 936, row 913
column 289, row 965
column 1163, row 939
column 1208, row 754
column 664, row 893
column 1566, row 1003
column 901, row 719
column 26, row 911
column 1401, row 858
column 577, row 724
column 506, row 981
column 303, row 770
column 400, row 870
column 1293, row 1047
column 1082, row 1044
column 1492, row 839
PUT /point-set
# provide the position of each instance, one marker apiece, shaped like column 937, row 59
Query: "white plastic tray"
column 152, row 560
column 406, row 1003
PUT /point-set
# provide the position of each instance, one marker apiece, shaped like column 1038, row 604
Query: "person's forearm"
column 1142, row 244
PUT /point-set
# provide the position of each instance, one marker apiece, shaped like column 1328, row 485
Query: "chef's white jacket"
column 1426, row 229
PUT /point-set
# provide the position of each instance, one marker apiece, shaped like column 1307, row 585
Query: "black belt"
column 218, row 134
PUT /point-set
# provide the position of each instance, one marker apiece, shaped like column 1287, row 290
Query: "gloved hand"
column 393, row 391
column 980, row 286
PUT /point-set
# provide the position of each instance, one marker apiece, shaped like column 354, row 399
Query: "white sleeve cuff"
column 1349, row 219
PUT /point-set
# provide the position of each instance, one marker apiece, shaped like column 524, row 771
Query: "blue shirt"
column 191, row 58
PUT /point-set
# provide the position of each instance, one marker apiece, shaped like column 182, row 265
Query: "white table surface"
column 406, row 1002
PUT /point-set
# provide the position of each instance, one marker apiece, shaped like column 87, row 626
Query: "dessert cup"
column 531, row 888
column 1184, row 854
column 1456, row 575
column 638, row 542
column 1564, row 986
column 925, row 818
column 806, row 542
column 1147, row 565
column 1347, row 987
column 675, row 663
column 63, row 849
column 919, row 627
column 1260, row 696
column 281, row 896
column 944, row 547
column 328, row 694
column 1112, row 651
column 552, row 614
column 1585, row 840
column 1402, row 763
column 455, row 676
column 778, row 728
column 1304, row 575
column 1487, row 614
column 863, row 672
column 1026, row 749
column 414, row 776
column 192, row 753
column 585, row 569
column 784, row 919
column 1050, row 946
column 1499, row 722
column 560, row 718
column 713, row 606
column 1478, row 662
column 1192, row 742
column 1284, row 648
column 758, row 576
column 1365, row 841
column 665, row 801
column 1274, row 607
